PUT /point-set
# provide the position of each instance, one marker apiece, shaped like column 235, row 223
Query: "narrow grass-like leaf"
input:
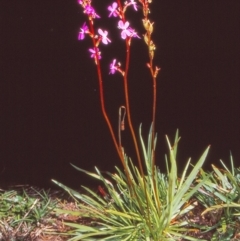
column 185, row 187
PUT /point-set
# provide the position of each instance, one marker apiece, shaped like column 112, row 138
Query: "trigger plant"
column 139, row 203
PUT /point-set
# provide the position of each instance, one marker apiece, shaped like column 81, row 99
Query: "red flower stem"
column 128, row 108
column 153, row 74
column 153, row 125
column 119, row 148
column 129, row 117
column 126, row 95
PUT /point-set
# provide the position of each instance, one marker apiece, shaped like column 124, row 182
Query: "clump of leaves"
column 151, row 208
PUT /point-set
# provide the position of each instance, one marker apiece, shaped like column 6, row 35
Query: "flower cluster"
column 114, row 11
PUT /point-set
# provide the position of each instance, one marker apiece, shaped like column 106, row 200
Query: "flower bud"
column 151, row 49
column 146, row 38
column 148, row 25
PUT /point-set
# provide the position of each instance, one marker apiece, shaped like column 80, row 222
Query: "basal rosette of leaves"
column 133, row 213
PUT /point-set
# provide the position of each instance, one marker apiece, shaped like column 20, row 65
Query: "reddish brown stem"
column 129, row 115
column 128, row 108
column 126, row 96
column 153, row 74
column 119, row 148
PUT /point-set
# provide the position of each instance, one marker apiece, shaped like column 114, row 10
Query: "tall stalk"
column 125, row 81
column 118, row 147
column 151, row 48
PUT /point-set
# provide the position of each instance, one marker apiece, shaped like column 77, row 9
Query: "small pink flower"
column 133, row 33
column 125, row 31
column 113, row 67
column 89, row 10
column 83, row 31
column 104, row 34
column 95, row 53
column 113, row 10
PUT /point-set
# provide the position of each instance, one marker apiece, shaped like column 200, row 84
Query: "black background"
column 50, row 112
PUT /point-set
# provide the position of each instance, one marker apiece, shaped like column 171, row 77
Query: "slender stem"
column 129, row 116
column 128, row 108
column 153, row 117
column 119, row 148
column 126, row 95
column 153, row 127
column 153, row 74
column 121, row 123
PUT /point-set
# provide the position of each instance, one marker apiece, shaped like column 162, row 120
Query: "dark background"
column 50, row 112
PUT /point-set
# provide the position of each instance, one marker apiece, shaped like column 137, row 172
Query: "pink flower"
column 95, row 53
column 133, row 33
column 104, row 34
column 89, row 10
column 125, row 31
column 113, row 10
column 83, row 31
column 113, row 67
